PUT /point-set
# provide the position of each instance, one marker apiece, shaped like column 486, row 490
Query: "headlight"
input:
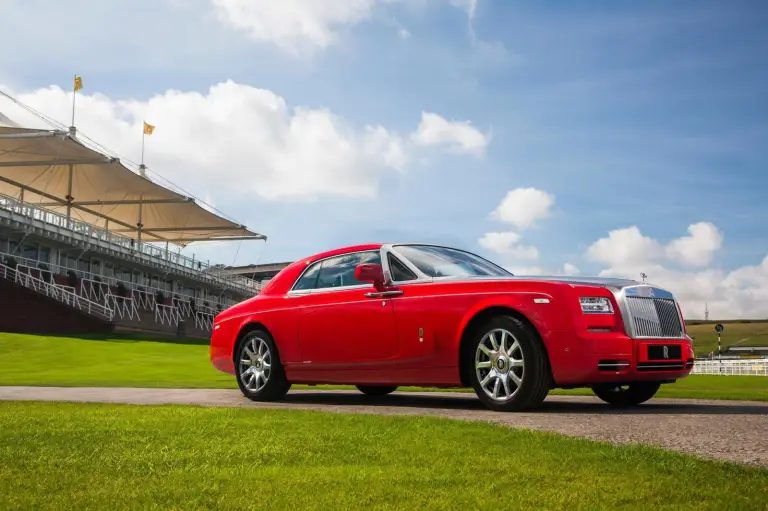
column 596, row 305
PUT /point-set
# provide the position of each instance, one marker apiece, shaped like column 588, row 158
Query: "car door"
column 415, row 314
column 339, row 322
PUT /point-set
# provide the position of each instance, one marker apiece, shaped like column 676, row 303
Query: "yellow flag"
column 148, row 128
column 78, row 83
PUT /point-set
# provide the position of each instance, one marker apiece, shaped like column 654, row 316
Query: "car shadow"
column 553, row 404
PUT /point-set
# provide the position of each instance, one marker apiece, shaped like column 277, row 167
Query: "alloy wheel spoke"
column 255, row 364
column 507, row 392
column 499, row 364
column 494, row 344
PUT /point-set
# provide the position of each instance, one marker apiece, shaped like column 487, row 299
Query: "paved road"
column 727, row 430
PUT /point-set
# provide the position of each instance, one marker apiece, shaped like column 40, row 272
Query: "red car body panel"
column 346, row 337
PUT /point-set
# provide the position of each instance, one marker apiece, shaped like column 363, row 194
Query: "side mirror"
column 370, row 273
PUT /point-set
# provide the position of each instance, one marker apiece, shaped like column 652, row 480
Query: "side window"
column 308, row 279
column 399, row 271
column 340, row 271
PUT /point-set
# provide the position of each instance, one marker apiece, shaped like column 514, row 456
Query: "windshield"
column 448, row 262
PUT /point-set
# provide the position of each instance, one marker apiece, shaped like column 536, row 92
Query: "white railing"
column 147, row 303
column 204, row 321
column 123, row 306
column 94, row 290
column 206, row 310
column 49, row 286
column 35, row 272
column 173, row 261
column 167, row 315
column 64, row 294
column 185, row 308
column 753, row 367
column 145, row 299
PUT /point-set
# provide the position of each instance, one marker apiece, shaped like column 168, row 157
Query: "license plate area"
column 664, row 352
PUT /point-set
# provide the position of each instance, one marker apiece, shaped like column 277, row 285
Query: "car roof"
column 343, row 250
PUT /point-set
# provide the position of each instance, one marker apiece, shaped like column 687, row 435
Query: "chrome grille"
column 654, row 317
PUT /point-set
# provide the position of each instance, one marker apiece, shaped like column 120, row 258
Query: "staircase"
column 127, row 311
column 30, row 305
column 51, row 289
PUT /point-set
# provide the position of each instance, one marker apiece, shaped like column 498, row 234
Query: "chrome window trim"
column 389, row 249
column 386, row 250
column 629, row 325
column 385, row 255
column 301, row 292
column 321, row 290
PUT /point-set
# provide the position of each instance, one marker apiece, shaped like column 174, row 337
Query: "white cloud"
column 567, row 270
column 625, row 247
column 522, row 207
column 458, row 136
column 506, row 243
column 740, row 293
column 292, row 25
column 302, row 26
column 698, row 248
column 234, row 140
column 468, row 5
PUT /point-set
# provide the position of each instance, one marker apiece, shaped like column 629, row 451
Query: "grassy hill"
column 736, row 333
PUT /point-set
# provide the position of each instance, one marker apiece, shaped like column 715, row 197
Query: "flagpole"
column 74, row 95
column 143, row 136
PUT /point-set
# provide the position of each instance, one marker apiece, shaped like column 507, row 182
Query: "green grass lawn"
column 133, row 362
column 735, row 334
column 75, row 456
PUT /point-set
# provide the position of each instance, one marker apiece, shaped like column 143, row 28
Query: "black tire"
column 633, row 395
column 277, row 385
column 535, row 377
column 373, row 390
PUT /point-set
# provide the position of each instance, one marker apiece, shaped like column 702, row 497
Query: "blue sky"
column 650, row 114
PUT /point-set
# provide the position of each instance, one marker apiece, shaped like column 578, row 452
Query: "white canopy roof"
column 58, row 172
column 6, row 122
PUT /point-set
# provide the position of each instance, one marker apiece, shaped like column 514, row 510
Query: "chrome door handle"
column 383, row 294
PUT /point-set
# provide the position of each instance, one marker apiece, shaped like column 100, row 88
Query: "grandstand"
column 87, row 234
column 260, row 272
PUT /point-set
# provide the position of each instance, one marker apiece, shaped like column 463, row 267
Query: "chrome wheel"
column 499, row 364
column 255, row 364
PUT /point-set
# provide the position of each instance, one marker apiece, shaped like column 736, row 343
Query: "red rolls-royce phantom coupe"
column 379, row 316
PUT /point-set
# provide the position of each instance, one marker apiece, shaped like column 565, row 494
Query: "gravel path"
column 726, row 430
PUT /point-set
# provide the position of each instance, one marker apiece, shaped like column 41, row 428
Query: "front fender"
column 543, row 315
column 278, row 321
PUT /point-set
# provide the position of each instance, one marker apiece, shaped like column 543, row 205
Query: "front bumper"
column 611, row 357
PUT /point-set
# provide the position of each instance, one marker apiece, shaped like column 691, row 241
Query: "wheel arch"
column 245, row 329
column 483, row 315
